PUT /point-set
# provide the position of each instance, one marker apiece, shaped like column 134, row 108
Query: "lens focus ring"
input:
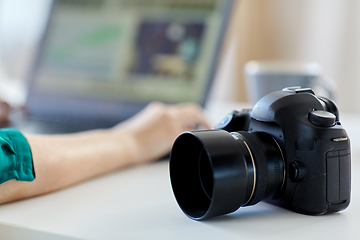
column 269, row 164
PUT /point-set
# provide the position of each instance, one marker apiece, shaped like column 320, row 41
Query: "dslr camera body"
column 290, row 150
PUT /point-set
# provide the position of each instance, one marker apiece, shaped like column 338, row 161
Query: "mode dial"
column 322, row 118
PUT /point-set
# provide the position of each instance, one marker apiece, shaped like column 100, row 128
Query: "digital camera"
column 290, row 150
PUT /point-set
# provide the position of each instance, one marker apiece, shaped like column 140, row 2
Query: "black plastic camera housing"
column 289, row 150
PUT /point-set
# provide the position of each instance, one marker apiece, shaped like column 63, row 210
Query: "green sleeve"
column 15, row 157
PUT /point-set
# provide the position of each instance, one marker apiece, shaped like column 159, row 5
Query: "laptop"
column 101, row 61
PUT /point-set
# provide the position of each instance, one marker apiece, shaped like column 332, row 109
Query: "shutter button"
column 322, row 118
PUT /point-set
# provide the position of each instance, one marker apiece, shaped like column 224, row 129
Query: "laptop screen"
column 129, row 51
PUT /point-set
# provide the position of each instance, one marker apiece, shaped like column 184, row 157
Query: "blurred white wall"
column 325, row 31
column 21, row 24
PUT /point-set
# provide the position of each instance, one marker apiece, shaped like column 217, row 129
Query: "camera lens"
column 216, row 172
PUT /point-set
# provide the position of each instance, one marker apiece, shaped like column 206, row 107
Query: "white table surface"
column 137, row 203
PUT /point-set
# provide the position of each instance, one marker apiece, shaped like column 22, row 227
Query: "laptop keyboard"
column 54, row 125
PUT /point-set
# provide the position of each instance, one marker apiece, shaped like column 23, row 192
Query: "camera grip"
column 326, row 189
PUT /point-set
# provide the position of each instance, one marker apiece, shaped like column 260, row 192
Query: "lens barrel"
column 216, row 172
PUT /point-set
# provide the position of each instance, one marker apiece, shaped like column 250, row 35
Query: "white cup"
column 266, row 76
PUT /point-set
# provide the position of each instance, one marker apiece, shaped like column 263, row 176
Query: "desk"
column 137, row 203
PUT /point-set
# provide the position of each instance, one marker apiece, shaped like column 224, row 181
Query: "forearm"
column 63, row 160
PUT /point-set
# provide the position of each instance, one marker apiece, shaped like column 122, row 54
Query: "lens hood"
column 208, row 173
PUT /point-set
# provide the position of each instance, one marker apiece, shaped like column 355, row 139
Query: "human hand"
column 154, row 129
